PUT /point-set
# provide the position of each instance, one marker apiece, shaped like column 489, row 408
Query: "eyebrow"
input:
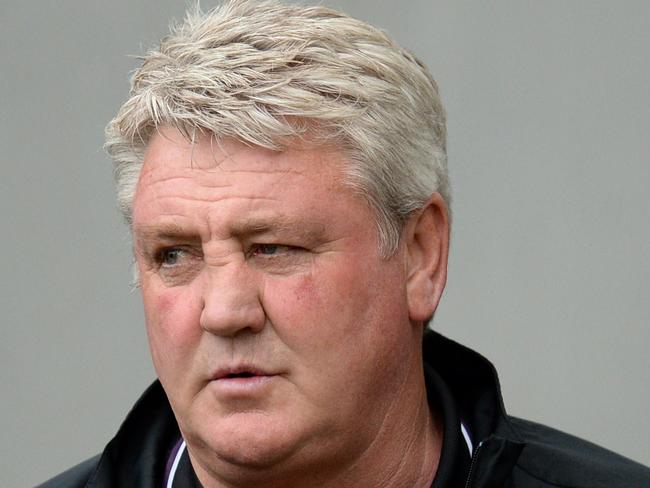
column 249, row 227
column 279, row 223
column 162, row 232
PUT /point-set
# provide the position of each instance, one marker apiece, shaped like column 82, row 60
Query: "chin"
column 251, row 440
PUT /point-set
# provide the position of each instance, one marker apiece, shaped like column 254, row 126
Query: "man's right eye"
column 177, row 265
column 170, row 257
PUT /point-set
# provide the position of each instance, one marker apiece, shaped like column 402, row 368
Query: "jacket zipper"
column 472, row 464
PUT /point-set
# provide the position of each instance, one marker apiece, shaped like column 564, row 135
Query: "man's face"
column 279, row 333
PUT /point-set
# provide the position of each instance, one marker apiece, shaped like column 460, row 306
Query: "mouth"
column 243, row 382
column 240, row 373
column 244, row 374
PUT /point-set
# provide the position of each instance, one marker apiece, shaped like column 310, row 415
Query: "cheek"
column 368, row 313
column 290, row 303
column 331, row 313
column 172, row 324
column 305, row 293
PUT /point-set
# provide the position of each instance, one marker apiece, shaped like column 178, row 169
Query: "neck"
column 406, row 451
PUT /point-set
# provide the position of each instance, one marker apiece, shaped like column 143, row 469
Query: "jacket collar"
column 474, row 384
column 137, row 454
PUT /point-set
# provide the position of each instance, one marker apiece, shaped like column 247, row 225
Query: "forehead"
column 169, row 151
column 210, row 180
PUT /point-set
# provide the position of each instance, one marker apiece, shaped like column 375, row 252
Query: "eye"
column 278, row 258
column 272, row 250
column 268, row 249
column 170, row 257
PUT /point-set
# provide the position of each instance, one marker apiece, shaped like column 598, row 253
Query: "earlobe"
column 427, row 246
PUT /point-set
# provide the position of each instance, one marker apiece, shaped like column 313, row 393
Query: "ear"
column 426, row 238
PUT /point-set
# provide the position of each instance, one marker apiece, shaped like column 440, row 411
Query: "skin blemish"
column 305, row 290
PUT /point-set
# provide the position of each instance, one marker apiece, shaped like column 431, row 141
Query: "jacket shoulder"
column 75, row 477
column 554, row 458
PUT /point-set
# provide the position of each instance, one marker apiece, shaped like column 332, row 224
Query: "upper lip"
column 243, row 369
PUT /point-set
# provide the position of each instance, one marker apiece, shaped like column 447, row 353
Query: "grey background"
column 550, row 265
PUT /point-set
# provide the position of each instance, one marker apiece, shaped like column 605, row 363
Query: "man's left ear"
column 426, row 237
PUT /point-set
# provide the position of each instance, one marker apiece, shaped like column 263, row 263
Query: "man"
column 283, row 172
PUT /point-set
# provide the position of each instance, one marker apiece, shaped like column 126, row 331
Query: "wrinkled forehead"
column 202, row 150
column 211, row 164
column 231, row 189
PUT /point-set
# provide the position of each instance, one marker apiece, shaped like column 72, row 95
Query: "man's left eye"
column 270, row 249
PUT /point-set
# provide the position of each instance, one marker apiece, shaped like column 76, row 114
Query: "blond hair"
column 264, row 72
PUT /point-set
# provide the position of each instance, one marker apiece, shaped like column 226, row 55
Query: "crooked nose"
column 231, row 302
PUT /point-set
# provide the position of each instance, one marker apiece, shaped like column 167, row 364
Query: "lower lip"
column 243, row 385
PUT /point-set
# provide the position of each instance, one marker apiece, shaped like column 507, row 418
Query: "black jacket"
column 508, row 452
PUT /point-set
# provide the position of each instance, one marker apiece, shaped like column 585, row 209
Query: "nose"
column 231, row 301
